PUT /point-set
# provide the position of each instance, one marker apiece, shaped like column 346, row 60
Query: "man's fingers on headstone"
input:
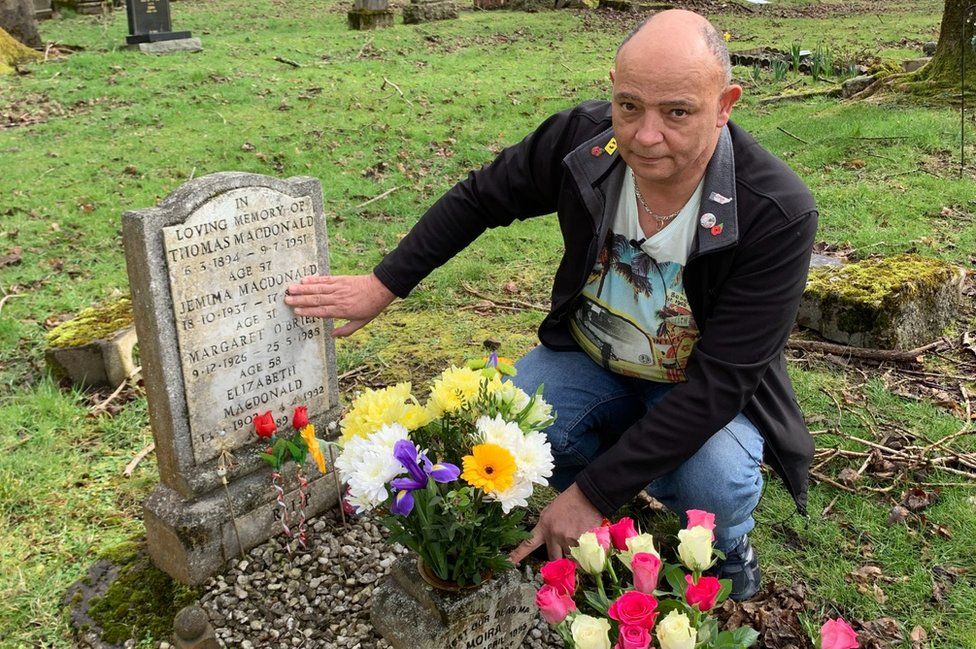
column 348, row 328
column 527, row 546
column 317, row 279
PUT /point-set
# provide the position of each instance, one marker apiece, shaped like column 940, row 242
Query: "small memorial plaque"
column 149, row 21
column 241, row 350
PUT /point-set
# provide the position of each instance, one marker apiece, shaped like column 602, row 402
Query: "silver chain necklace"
column 662, row 219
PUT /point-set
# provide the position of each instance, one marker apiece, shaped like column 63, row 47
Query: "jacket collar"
column 598, row 170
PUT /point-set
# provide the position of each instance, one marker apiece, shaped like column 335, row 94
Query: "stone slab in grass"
column 94, row 349
column 900, row 302
column 424, row 11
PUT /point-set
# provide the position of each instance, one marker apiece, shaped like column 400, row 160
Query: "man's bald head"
column 677, row 26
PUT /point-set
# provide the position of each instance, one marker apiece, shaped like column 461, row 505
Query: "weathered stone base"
column 100, row 363
column 363, row 19
column 410, row 614
column 191, row 540
column 489, row 5
column 901, row 302
column 423, row 12
column 170, row 47
column 43, row 9
column 93, row 7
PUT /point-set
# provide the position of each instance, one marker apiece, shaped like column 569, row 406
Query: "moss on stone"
column 872, row 281
column 91, row 324
column 871, row 295
column 142, row 601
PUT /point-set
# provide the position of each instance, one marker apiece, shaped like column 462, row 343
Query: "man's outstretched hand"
column 356, row 298
column 560, row 525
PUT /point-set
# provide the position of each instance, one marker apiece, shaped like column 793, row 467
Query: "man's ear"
column 726, row 102
column 611, row 74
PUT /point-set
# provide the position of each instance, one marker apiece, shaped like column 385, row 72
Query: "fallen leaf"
column 511, row 288
column 969, row 342
column 848, row 476
column 12, row 258
column 856, row 163
column 882, row 633
column 918, row 637
column 916, row 499
column 130, row 170
column 898, row 514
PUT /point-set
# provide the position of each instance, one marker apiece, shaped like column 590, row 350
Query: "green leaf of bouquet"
column 598, row 603
column 665, row 606
column 719, row 554
column 745, row 637
column 724, row 591
column 675, row 576
column 267, row 457
column 708, row 630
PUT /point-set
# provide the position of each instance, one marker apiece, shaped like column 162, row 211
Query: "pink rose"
column 633, row 637
column 621, row 531
column 634, row 608
column 703, row 593
column 561, row 575
column 701, row 518
column 646, row 568
column 553, row 604
column 602, row 536
column 838, row 634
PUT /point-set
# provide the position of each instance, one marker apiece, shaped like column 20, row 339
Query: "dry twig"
column 139, row 457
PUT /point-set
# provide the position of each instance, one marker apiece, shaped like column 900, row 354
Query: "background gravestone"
column 208, row 269
column 149, row 22
column 370, row 14
column 423, row 11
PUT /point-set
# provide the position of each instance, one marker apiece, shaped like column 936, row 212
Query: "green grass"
column 125, row 129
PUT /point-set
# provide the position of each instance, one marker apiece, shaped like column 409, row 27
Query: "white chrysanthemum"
column 515, row 496
column 367, row 465
column 534, row 458
column 495, row 430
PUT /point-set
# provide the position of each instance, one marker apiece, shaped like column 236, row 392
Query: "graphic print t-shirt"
column 633, row 317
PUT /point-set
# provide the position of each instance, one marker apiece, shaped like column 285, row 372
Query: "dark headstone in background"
column 149, row 22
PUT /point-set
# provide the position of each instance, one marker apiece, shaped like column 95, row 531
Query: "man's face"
column 667, row 115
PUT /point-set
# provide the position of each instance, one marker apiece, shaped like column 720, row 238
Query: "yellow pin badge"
column 611, row 146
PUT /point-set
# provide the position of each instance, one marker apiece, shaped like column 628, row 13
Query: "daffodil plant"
column 453, row 473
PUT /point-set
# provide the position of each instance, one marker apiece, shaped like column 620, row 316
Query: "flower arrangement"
column 454, row 473
column 298, row 447
column 629, row 615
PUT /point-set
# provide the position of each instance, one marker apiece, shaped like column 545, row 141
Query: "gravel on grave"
column 318, row 597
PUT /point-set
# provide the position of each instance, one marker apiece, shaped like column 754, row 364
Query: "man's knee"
column 724, row 477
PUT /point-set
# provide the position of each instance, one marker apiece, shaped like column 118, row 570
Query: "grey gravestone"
column 423, row 11
column 42, row 9
column 208, row 270
column 149, row 22
column 370, row 14
column 410, row 614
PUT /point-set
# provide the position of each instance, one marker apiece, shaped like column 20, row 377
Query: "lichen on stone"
column 91, row 324
column 142, row 601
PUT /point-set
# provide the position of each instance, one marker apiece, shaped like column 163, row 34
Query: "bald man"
column 686, row 252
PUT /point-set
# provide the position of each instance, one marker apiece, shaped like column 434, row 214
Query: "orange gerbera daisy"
column 490, row 467
column 308, row 434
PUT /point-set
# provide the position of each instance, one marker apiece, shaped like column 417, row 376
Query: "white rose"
column 675, row 632
column 590, row 632
column 589, row 554
column 695, row 547
column 641, row 543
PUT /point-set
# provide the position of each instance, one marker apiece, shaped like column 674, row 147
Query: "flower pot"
column 428, row 575
column 411, row 613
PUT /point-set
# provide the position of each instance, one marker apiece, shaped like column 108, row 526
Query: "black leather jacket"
column 743, row 284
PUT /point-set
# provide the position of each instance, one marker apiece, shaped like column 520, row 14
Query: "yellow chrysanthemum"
column 308, row 434
column 490, row 467
column 455, row 388
column 375, row 408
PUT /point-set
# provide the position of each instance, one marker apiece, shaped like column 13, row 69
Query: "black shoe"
column 741, row 565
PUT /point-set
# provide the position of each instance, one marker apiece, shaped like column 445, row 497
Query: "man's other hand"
column 560, row 525
column 356, row 298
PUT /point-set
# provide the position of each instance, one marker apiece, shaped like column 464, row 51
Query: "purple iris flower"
column 421, row 472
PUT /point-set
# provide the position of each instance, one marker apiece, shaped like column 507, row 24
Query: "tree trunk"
column 17, row 18
column 944, row 69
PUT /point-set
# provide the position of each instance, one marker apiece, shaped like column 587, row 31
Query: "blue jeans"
column 595, row 406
